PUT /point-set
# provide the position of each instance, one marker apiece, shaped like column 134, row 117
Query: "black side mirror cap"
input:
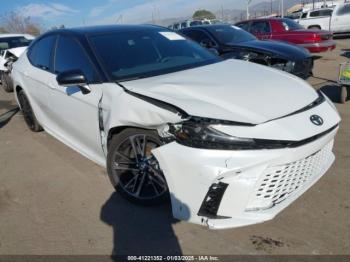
column 73, row 78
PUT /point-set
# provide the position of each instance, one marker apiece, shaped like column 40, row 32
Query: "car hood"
column 231, row 90
column 288, row 51
column 17, row 51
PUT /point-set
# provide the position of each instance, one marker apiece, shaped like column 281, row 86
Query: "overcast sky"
column 80, row 12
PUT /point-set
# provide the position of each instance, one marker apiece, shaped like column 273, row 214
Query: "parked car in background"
column 190, row 23
column 312, row 18
column 230, row 143
column 287, row 30
column 11, row 47
column 336, row 20
column 233, row 42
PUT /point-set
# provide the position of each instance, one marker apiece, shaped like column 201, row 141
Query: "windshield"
column 12, row 42
column 145, row 53
column 231, row 34
column 290, row 25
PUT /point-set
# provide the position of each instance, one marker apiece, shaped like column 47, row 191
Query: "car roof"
column 205, row 27
column 92, row 30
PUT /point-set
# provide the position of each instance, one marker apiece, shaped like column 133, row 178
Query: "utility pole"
column 271, row 7
column 282, row 8
column 248, row 3
column 222, row 13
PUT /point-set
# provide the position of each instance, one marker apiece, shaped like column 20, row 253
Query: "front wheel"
column 133, row 169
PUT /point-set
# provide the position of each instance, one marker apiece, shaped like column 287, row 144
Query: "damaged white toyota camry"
column 231, row 143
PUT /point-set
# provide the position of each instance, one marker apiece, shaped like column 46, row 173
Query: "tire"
column 6, row 82
column 28, row 113
column 343, row 94
column 136, row 176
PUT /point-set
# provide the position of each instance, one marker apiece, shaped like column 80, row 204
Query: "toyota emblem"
column 316, row 120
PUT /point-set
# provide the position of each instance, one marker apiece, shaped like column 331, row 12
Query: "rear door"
column 37, row 77
column 261, row 29
column 76, row 115
column 340, row 22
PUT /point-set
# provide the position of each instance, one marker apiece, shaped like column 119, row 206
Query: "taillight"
column 312, row 38
column 317, row 38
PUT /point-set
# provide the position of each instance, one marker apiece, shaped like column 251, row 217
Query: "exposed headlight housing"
column 204, row 135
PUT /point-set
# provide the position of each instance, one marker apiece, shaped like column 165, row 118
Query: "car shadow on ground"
column 6, row 117
column 333, row 92
column 139, row 230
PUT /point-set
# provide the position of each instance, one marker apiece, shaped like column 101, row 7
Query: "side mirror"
column 73, row 78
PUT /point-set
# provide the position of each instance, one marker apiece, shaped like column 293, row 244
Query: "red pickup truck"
column 284, row 29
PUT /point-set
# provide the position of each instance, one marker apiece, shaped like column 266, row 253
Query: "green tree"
column 203, row 14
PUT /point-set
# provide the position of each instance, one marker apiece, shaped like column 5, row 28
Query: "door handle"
column 25, row 73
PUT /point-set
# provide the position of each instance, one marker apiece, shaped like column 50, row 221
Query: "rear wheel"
column 133, row 169
column 314, row 27
column 28, row 113
column 6, row 82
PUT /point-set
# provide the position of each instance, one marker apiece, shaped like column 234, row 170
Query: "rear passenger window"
column 71, row 56
column 315, row 14
column 344, row 10
column 40, row 53
column 260, row 27
column 304, row 15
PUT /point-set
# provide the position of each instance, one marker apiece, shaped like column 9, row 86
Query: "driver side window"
column 70, row 56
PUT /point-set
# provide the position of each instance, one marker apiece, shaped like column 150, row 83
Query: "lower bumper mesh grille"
column 279, row 182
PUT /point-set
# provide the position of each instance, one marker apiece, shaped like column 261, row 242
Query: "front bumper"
column 191, row 172
column 258, row 184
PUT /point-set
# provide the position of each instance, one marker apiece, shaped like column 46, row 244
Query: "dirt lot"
column 54, row 201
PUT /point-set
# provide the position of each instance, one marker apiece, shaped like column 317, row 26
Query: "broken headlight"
column 204, row 135
column 282, row 65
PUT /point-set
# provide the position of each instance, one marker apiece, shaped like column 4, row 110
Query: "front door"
column 75, row 114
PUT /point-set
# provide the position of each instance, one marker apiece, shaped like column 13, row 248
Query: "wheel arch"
column 118, row 129
column 314, row 26
column 17, row 89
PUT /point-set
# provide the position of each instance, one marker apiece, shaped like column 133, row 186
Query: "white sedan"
column 11, row 47
column 231, row 143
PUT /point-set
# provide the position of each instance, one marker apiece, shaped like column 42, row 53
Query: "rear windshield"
column 290, row 25
column 231, row 34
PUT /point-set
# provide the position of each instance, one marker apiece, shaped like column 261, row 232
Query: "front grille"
column 279, row 182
